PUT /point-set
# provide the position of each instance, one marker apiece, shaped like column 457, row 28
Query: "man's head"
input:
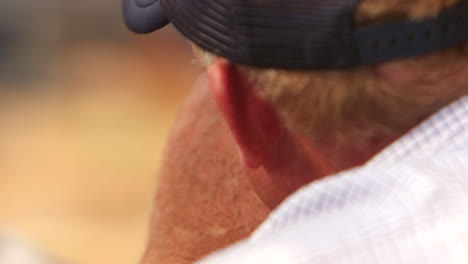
column 345, row 116
column 386, row 96
column 294, row 126
column 290, row 126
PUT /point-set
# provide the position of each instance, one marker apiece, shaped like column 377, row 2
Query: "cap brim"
column 144, row 16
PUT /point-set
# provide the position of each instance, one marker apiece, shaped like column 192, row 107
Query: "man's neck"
column 299, row 162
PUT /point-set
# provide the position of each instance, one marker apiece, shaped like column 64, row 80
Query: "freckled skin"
column 203, row 199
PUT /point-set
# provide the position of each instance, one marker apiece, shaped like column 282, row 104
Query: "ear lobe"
column 254, row 124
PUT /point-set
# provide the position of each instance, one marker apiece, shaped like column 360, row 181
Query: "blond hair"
column 359, row 101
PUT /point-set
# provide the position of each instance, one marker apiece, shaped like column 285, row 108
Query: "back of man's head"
column 337, row 119
column 389, row 97
column 298, row 124
column 290, row 125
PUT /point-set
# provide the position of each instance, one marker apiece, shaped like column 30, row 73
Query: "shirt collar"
column 447, row 129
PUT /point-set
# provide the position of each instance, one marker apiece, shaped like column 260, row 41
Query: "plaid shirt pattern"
column 407, row 205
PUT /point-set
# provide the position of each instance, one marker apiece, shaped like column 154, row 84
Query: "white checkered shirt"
column 408, row 205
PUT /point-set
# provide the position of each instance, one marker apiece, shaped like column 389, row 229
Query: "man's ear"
column 254, row 124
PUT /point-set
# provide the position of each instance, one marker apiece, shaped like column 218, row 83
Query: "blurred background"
column 85, row 108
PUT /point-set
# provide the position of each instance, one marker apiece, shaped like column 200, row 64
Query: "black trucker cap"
column 297, row 34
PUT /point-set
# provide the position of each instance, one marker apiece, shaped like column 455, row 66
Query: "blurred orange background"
column 85, row 108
